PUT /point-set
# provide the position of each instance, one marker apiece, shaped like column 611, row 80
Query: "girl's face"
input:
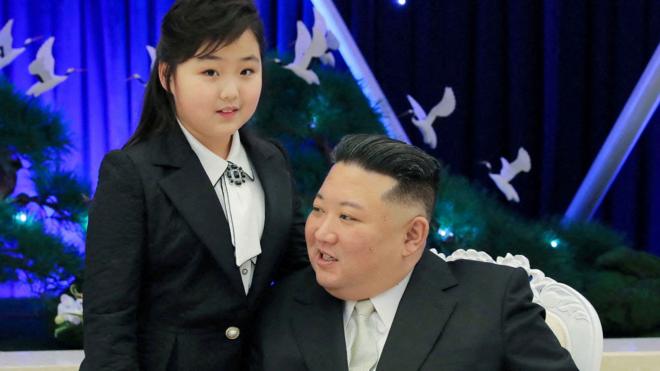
column 216, row 94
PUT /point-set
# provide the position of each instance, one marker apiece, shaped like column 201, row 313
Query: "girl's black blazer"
column 161, row 288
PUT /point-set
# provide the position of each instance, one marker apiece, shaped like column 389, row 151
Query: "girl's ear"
column 162, row 68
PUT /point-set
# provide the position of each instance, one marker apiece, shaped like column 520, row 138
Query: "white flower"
column 69, row 310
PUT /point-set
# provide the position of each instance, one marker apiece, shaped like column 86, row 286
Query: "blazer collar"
column 422, row 314
column 317, row 325
column 192, row 193
column 172, row 149
column 317, row 320
column 215, row 165
column 276, row 181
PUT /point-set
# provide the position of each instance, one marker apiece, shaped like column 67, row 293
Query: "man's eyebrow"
column 344, row 203
column 351, row 204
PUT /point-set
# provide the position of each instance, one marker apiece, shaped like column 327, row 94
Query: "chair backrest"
column 569, row 314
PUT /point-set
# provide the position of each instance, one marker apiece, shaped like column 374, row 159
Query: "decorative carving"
column 558, row 298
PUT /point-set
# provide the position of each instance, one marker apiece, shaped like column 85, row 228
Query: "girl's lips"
column 227, row 113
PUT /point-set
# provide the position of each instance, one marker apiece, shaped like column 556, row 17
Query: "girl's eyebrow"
column 212, row 57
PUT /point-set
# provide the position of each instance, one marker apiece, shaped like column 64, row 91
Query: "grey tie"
column 364, row 351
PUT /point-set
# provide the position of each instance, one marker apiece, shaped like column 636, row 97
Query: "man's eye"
column 316, row 209
column 346, row 217
column 211, row 73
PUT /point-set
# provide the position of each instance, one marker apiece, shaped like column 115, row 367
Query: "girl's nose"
column 229, row 91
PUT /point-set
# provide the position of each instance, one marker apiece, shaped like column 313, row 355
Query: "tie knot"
column 364, row 307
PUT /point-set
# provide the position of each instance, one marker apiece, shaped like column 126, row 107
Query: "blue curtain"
column 107, row 40
column 551, row 76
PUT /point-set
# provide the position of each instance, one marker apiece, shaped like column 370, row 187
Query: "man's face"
column 355, row 238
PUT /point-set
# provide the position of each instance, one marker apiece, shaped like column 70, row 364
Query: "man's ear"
column 162, row 68
column 416, row 234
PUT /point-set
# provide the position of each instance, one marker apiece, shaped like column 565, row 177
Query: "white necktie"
column 364, row 351
column 239, row 205
column 245, row 240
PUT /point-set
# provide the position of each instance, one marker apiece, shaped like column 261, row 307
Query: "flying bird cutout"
column 43, row 67
column 152, row 58
column 312, row 46
column 424, row 122
column 523, row 163
column 7, row 51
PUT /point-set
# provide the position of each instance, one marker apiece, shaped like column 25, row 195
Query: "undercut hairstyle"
column 191, row 28
column 416, row 172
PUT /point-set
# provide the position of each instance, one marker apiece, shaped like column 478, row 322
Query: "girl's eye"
column 211, row 73
column 247, row 72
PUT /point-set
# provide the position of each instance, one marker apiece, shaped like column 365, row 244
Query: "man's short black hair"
column 416, row 172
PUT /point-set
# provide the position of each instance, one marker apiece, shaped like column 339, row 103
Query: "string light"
column 445, row 233
column 84, row 222
column 401, row 2
column 21, row 217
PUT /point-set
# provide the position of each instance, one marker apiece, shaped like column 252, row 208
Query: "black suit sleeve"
column 115, row 239
column 295, row 257
column 529, row 343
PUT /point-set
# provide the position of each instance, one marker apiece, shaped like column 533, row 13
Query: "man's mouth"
column 327, row 257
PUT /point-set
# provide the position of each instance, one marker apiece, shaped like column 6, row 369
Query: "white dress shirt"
column 243, row 206
column 381, row 319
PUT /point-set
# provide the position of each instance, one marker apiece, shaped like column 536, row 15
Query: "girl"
column 195, row 216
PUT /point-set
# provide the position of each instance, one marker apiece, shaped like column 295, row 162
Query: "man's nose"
column 325, row 231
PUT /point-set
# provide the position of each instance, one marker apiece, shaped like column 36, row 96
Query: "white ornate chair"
column 569, row 314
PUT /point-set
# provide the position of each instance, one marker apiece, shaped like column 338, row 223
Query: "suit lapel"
column 422, row 314
column 318, row 327
column 193, row 196
column 276, row 183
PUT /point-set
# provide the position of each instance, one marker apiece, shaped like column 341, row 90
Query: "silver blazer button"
column 232, row 332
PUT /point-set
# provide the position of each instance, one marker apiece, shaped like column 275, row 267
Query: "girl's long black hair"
column 191, row 28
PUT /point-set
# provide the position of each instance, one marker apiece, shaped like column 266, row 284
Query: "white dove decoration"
column 7, row 51
column 43, row 67
column 523, row 163
column 424, row 122
column 152, row 58
column 328, row 58
column 311, row 46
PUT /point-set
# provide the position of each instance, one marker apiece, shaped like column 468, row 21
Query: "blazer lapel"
column 276, row 182
column 318, row 327
column 422, row 314
column 192, row 194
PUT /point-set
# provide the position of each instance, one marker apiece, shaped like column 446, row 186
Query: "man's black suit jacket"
column 161, row 285
column 463, row 315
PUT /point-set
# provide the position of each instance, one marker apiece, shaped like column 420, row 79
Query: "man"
column 376, row 298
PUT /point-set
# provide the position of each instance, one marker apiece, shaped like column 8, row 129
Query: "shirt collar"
column 385, row 303
column 214, row 165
